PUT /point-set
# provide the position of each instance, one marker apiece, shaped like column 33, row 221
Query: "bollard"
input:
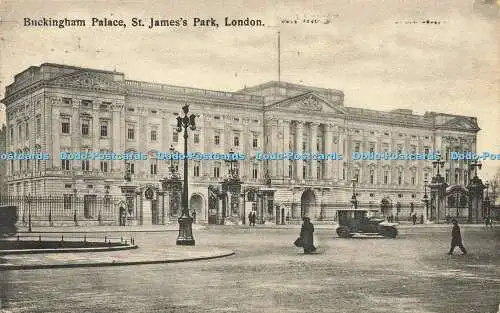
column 17, row 237
column 62, row 238
column 39, row 238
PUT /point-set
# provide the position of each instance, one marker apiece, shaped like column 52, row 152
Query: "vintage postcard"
column 249, row 156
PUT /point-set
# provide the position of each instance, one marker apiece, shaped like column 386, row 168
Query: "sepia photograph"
column 249, row 156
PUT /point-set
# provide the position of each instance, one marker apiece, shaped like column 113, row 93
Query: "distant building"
column 55, row 108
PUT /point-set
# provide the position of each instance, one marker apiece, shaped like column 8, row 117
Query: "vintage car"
column 353, row 222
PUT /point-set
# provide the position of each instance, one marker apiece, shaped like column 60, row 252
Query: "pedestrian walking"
column 488, row 222
column 306, row 234
column 414, row 217
column 254, row 217
column 194, row 216
column 456, row 238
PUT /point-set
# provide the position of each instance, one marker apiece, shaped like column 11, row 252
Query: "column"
column 54, row 161
column 299, row 129
column 275, row 146
column 94, row 164
column 285, row 128
column 76, row 128
column 328, row 129
column 341, row 149
column 116, row 134
column 313, row 138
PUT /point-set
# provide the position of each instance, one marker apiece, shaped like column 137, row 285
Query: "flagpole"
column 279, row 59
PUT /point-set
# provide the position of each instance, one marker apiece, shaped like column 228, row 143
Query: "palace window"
column 67, row 100
column 372, row 177
column 255, row 171
column 154, row 135
column 131, row 133
column 400, row 177
column 236, row 141
column 130, row 167
column 318, row 170
column 175, row 136
column 357, row 146
column 413, row 149
column 85, row 127
column 255, row 141
column 104, row 166
column 86, row 103
column 343, row 174
column 426, row 150
column 38, row 125
column 447, row 175
column 196, row 169
column 65, row 125
column 217, row 139
column 457, row 176
column 372, row 147
column 386, row 177
column 217, row 170
column 153, row 167
column 413, row 178
column 318, row 144
column 426, row 177
column 304, row 171
column 104, row 128
column 27, row 130
column 290, row 169
column 196, row 138
column 65, row 165
column 86, row 164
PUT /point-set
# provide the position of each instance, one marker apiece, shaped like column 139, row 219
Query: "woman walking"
column 306, row 233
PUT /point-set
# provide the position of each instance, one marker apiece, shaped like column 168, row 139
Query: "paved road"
column 409, row 274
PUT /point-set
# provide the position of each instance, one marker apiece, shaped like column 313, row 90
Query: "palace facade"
column 56, row 108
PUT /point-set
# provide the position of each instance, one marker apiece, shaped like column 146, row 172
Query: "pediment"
column 88, row 80
column 463, row 123
column 308, row 102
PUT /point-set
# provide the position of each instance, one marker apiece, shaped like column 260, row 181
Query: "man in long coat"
column 456, row 238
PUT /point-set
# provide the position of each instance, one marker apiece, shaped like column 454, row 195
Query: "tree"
column 495, row 186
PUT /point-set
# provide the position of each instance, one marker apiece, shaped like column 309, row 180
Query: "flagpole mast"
column 279, row 59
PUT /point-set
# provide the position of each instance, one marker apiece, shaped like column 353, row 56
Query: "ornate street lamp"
column 233, row 172
column 426, row 200
column 354, row 201
column 174, row 163
column 28, row 201
column 437, row 163
column 185, row 237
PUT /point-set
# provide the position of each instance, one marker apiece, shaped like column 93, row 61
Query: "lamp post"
column 486, row 201
column 438, row 181
column 426, row 200
column 28, row 201
column 185, row 237
column 174, row 163
column 354, row 201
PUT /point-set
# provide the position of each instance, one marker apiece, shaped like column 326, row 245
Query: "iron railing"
column 63, row 208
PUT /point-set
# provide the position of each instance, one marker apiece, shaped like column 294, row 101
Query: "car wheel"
column 343, row 232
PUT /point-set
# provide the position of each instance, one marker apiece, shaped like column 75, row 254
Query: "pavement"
column 268, row 274
column 147, row 255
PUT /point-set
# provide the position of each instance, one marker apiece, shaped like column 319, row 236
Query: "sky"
column 371, row 50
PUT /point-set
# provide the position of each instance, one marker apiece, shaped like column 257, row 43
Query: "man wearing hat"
column 456, row 238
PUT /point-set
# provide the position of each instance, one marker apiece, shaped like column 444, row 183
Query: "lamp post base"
column 185, row 237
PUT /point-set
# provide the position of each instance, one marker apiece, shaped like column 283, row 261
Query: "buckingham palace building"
column 55, row 108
